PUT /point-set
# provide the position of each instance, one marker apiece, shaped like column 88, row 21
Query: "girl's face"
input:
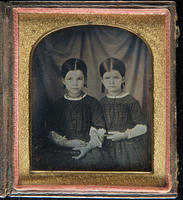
column 74, row 82
column 112, row 81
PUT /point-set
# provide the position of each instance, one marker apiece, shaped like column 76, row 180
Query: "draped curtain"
column 92, row 44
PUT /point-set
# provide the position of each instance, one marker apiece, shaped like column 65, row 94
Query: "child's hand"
column 75, row 143
column 116, row 136
column 83, row 150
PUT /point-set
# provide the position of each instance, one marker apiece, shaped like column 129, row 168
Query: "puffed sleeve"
column 136, row 112
column 97, row 114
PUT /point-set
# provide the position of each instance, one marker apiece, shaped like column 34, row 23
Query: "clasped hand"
column 83, row 151
column 75, row 144
column 116, row 136
column 79, row 145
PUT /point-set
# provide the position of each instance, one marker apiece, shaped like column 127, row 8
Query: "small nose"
column 111, row 80
column 75, row 82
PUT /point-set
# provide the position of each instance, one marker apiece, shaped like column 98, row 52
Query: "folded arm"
column 64, row 142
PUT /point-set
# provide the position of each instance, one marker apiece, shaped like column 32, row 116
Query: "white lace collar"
column 118, row 96
column 75, row 99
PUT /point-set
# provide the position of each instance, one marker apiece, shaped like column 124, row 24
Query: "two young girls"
column 78, row 122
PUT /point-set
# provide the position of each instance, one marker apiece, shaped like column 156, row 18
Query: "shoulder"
column 130, row 99
column 133, row 103
column 59, row 101
column 103, row 100
column 90, row 99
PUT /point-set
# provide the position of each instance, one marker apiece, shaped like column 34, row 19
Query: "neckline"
column 75, row 99
column 118, row 96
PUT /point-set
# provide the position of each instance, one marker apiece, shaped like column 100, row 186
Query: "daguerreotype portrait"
column 92, row 99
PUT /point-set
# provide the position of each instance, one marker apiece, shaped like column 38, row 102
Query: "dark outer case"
column 5, row 102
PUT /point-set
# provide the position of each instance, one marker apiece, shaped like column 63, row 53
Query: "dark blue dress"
column 73, row 119
column 129, row 154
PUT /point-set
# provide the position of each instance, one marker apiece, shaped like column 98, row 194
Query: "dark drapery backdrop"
column 92, row 44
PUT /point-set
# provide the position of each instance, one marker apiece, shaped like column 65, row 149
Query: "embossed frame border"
column 24, row 181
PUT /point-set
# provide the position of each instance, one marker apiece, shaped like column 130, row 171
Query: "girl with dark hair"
column 76, row 124
column 126, row 128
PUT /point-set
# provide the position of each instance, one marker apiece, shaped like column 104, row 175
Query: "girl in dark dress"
column 127, row 143
column 76, row 124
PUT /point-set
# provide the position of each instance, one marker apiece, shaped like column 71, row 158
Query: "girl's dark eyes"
column 115, row 77
column 70, row 78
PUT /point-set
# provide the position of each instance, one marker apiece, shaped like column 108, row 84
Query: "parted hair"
column 112, row 64
column 73, row 64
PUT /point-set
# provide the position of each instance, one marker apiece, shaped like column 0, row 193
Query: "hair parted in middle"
column 74, row 64
column 110, row 64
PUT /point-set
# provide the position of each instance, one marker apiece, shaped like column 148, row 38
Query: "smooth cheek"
column 105, row 84
column 105, row 81
column 81, row 84
column 119, row 82
column 67, row 84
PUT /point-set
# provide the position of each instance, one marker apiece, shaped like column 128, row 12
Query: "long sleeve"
column 138, row 130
